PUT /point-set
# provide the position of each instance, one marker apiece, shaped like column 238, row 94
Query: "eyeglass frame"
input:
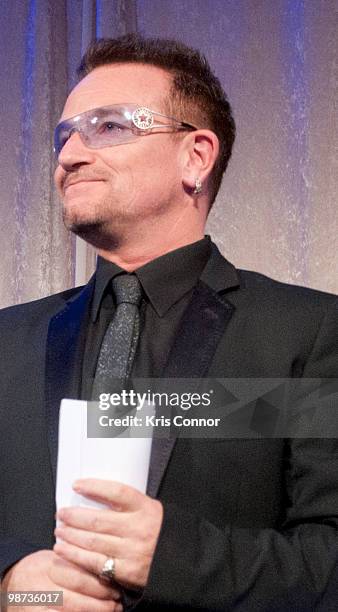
column 142, row 120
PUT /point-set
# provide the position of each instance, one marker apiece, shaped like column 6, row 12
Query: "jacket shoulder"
column 37, row 309
column 260, row 284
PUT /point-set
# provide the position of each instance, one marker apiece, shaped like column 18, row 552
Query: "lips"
column 79, row 181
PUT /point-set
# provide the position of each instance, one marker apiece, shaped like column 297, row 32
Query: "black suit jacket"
column 248, row 524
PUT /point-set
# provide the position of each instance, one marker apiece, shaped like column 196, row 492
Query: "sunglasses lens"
column 102, row 127
column 61, row 136
column 108, row 127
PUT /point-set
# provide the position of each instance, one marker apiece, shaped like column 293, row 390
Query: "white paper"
column 121, row 459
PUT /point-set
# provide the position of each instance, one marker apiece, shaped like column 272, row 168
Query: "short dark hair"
column 196, row 93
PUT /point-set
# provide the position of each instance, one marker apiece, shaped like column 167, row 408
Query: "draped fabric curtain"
column 277, row 60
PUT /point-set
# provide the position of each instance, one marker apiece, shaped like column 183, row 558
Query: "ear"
column 200, row 152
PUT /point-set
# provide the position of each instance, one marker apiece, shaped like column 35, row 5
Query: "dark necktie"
column 120, row 341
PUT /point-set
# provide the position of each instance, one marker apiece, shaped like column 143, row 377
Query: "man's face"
column 106, row 191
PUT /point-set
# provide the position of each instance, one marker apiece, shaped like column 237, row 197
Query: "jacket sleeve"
column 12, row 550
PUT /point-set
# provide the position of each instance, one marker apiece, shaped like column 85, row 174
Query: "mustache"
column 70, row 178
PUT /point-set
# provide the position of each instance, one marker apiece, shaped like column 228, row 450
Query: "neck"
column 149, row 241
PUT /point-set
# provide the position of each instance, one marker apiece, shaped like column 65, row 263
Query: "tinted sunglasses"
column 112, row 125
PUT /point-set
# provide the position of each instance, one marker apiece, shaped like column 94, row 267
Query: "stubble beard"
column 104, row 229
column 111, row 223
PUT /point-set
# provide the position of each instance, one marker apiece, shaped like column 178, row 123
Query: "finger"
column 115, row 493
column 76, row 602
column 89, row 561
column 74, row 578
column 93, row 519
column 105, row 544
column 129, row 572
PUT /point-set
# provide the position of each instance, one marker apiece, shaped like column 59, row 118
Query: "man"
column 142, row 144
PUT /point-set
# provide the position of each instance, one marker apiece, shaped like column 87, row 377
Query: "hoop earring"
column 198, row 186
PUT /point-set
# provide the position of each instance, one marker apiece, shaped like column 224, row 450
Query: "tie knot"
column 127, row 289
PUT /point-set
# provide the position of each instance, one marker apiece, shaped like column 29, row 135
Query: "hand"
column 46, row 571
column 128, row 531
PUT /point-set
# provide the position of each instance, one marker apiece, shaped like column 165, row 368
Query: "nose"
column 75, row 153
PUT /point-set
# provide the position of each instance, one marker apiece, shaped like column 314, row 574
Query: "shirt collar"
column 164, row 280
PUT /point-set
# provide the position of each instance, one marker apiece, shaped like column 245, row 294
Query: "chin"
column 94, row 232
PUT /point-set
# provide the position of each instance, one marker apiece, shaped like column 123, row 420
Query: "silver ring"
column 108, row 570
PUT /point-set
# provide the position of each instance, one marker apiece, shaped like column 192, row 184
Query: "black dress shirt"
column 167, row 283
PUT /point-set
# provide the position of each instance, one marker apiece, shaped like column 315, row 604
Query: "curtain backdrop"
column 277, row 59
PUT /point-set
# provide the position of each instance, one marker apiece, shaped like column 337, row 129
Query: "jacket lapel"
column 65, row 342
column 202, row 327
